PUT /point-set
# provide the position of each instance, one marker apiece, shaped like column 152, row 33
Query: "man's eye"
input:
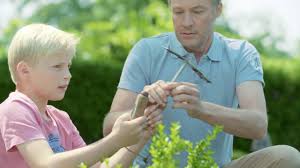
column 198, row 12
column 178, row 12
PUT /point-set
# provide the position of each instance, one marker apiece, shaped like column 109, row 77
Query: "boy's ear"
column 22, row 69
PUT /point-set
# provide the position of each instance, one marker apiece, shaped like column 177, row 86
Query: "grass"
column 238, row 153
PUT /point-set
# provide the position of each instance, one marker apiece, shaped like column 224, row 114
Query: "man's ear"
column 219, row 9
column 22, row 69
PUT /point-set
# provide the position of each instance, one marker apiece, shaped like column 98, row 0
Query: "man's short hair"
column 34, row 41
column 215, row 2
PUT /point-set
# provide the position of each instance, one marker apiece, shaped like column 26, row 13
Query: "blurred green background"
column 108, row 29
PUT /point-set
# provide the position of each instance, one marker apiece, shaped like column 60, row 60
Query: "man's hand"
column 158, row 93
column 186, row 96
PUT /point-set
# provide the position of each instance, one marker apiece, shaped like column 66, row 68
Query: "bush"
column 93, row 86
column 164, row 149
column 282, row 91
column 283, row 95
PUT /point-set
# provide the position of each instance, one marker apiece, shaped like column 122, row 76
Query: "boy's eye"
column 57, row 66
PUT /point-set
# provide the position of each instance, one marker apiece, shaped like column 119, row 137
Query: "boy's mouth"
column 63, row 87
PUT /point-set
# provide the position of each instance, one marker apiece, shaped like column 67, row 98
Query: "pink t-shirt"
column 20, row 122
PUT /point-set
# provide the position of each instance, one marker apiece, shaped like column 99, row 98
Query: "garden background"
column 109, row 28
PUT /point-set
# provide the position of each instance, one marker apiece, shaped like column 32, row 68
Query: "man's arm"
column 250, row 121
column 123, row 102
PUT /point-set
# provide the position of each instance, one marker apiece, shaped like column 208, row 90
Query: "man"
column 232, row 66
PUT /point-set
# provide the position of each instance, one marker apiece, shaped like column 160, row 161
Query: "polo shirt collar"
column 214, row 52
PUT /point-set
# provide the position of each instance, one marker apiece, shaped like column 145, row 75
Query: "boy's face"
column 50, row 77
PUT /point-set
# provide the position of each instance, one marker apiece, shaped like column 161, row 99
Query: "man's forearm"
column 244, row 123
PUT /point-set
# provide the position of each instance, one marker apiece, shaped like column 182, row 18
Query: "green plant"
column 200, row 156
column 164, row 149
column 82, row 165
column 106, row 161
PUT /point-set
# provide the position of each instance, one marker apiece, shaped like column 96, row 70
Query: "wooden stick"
column 178, row 72
column 140, row 105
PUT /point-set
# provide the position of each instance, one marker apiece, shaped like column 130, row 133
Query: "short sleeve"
column 69, row 132
column 135, row 74
column 249, row 67
column 77, row 139
column 19, row 125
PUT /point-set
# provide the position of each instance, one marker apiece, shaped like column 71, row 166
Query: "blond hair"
column 34, row 41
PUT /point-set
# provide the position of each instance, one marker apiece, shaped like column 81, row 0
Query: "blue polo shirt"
column 227, row 64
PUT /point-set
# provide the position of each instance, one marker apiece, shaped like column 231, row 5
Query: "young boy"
column 34, row 134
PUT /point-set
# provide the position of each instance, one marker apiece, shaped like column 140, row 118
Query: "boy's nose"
column 68, row 75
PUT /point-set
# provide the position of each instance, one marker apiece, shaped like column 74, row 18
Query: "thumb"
column 124, row 117
column 171, row 85
column 138, row 121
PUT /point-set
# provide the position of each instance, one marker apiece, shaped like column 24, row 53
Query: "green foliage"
column 270, row 49
column 237, row 153
column 93, row 86
column 200, row 156
column 282, row 92
column 6, row 84
column 82, row 165
column 115, row 35
column 7, row 35
column 108, row 29
column 164, row 149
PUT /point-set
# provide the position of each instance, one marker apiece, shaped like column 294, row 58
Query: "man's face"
column 193, row 21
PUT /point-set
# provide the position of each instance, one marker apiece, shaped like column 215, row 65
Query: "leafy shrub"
column 282, row 92
column 93, row 86
column 165, row 147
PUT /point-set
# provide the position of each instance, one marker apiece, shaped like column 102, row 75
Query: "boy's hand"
column 154, row 117
column 128, row 131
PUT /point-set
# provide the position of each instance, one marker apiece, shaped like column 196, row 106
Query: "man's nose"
column 187, row 20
